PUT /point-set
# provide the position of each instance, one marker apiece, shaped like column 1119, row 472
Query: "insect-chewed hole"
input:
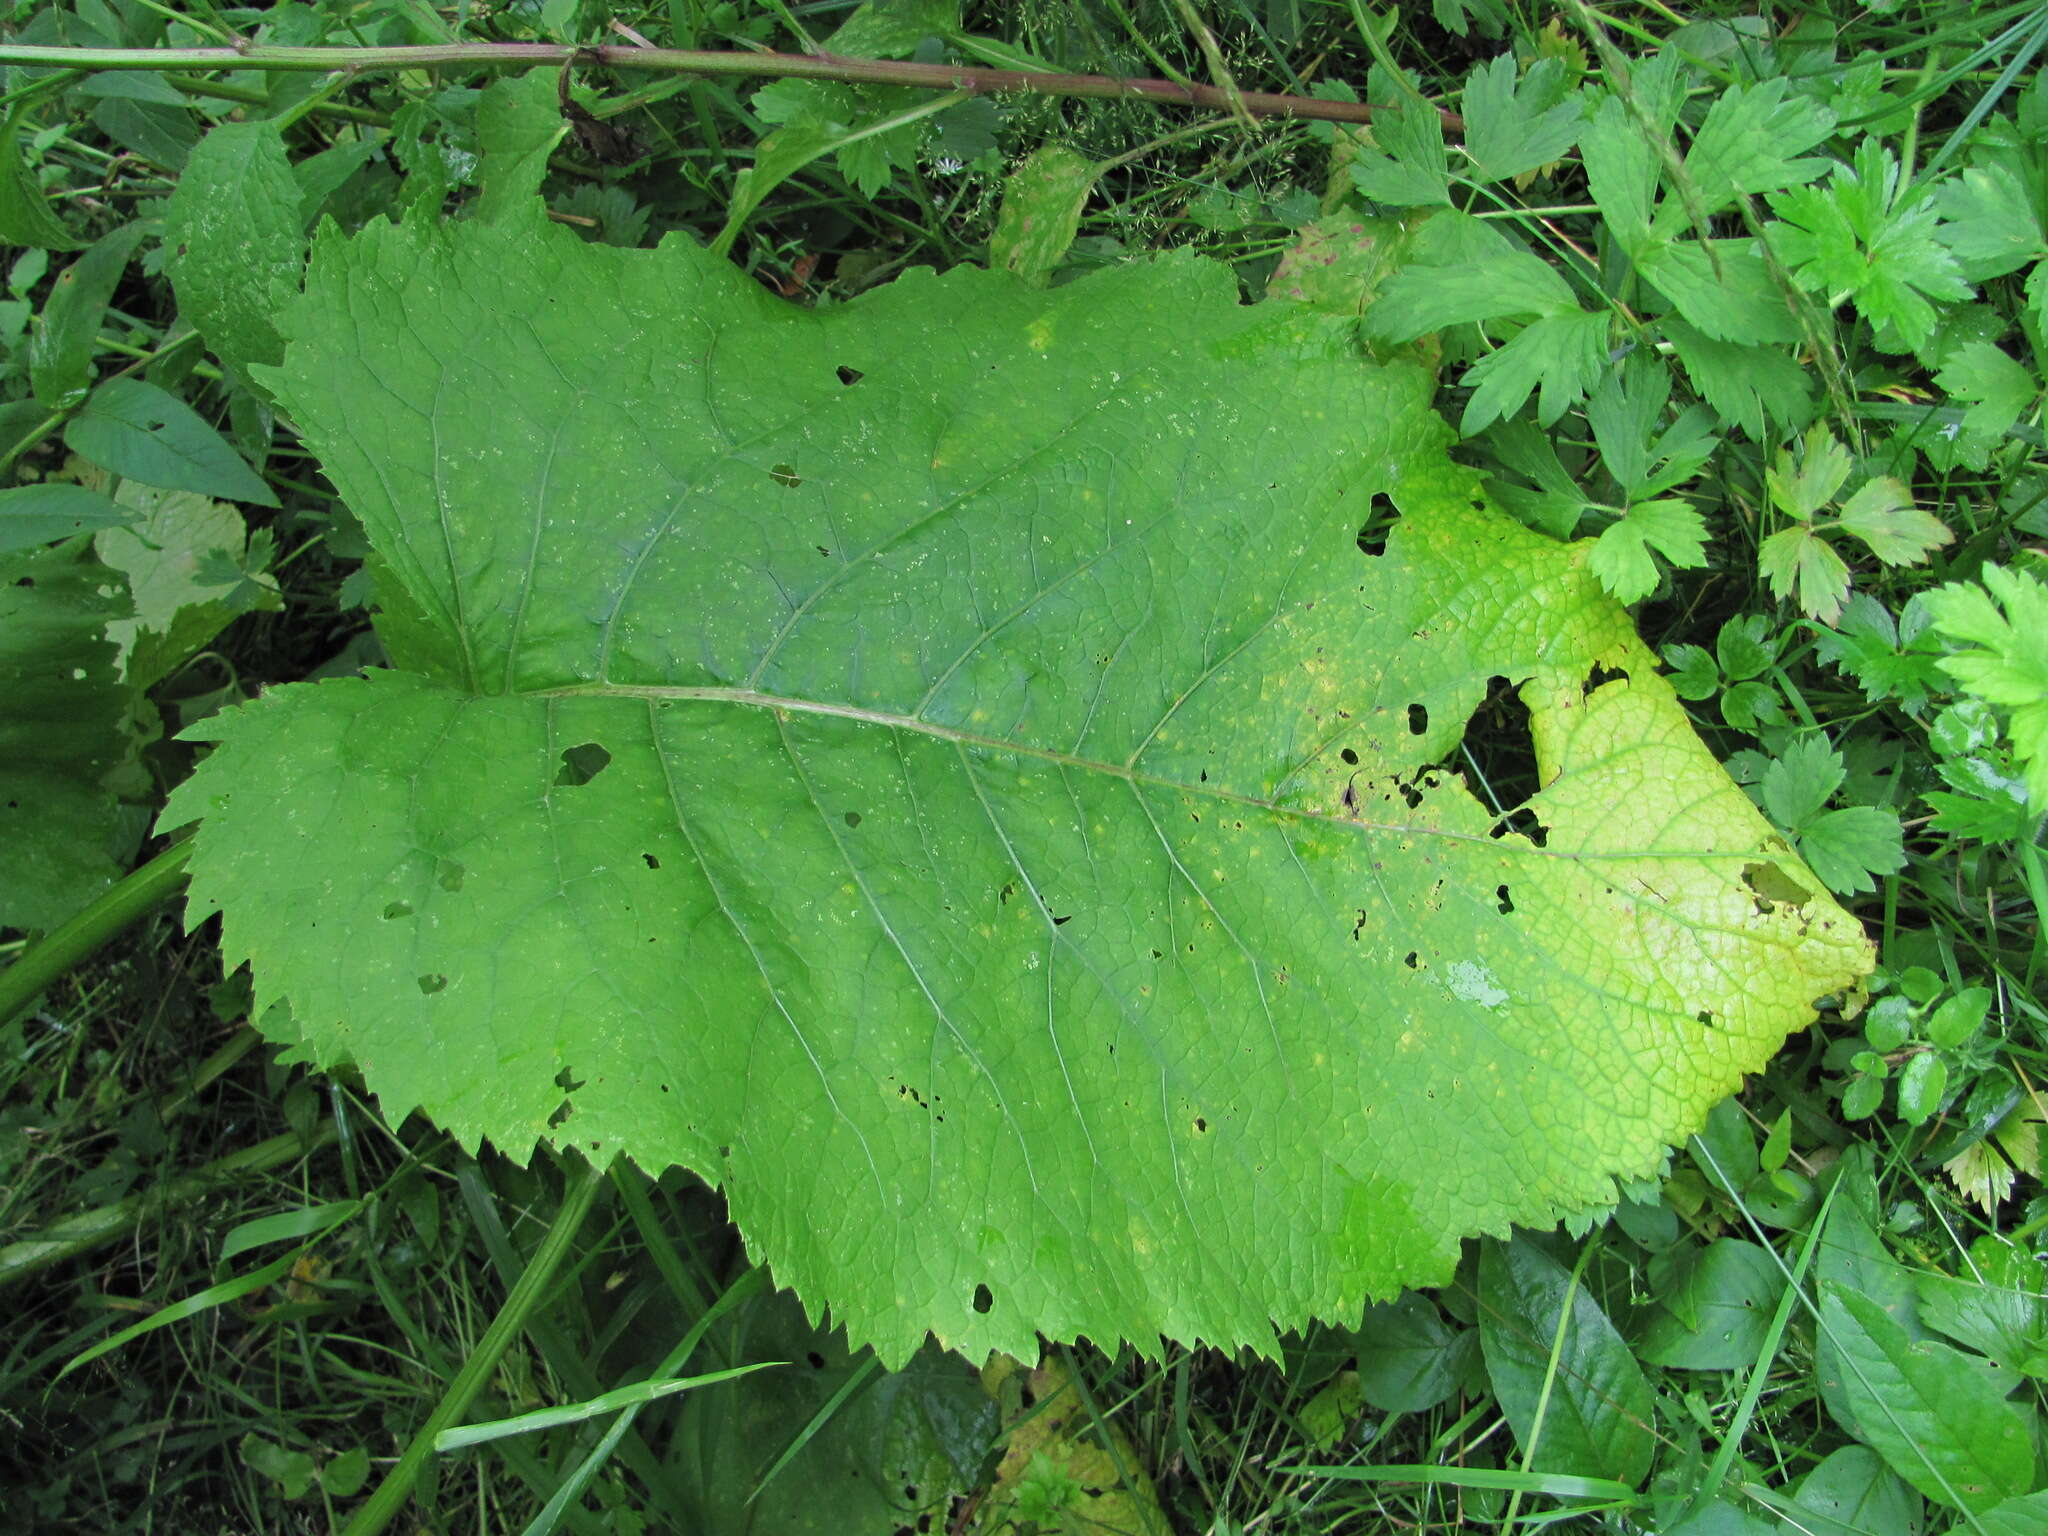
column 433, row 982
column 1418, row 719
column 652, row 861
column 1523, row 822
column 785, row 475
column 397, row 909
column 1350, row 757
column 582, row 764
column 1600, row 677
column 849, row 375
column 853, row 818
column 984, row 1299
column 1380, row 516
column 1502, row 900
column 449, row 874
column 1412, row 960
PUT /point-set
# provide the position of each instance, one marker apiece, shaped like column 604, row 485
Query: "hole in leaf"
column 1418, row 719
column 652, row 861
column 1201, row 1126
column 1350, row 758
column 1380, row 516
column 26, row 581
column 432, row 983
column 449, row 874
column 1412, row 960
column 582, row 764
column 853, row 818
column 849, row 375
column 984, row 1299
column 1502, row 900
column 1524, row 823
column 1358, row 927
column 397, row 909
column 1060, row 922
column 817, row 1360
column 1600, row 677
column 1500, row 745
column 785, row 475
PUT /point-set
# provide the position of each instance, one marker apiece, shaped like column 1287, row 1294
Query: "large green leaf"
column 942, row 768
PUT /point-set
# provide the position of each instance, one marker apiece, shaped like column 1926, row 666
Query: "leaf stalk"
column 77, row 939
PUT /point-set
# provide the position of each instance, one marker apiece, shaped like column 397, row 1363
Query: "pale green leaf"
column 180, row 604
column 1561, row 354
column 1746, row 385
column 1621, row 169
column 1938, row 1417
column 1514, row 124
column 518, row 124
column 1881, row 513
column 2022, row 1516
column 2006, row 621
column 1724, row 290
column 1042, row 202
column 61, row 705
column 1597, row 1414
column 1988, row 222
column 1803, row 568
column 1751, row 141
column 1804, row 480
column 1801, row 780
column 941, row 768
column 1621, row 555
column 1409, row 168
column 1998, row 387
column 1419, row 299
column 1846, row 847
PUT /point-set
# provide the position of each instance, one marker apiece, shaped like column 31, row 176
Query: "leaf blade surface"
column 943, row 769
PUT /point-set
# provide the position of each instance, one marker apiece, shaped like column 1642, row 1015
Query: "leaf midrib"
column 1128, row 771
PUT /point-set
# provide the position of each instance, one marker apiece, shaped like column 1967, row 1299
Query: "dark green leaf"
column 25, row 216
column 67, row 332
column 1939, row 1417
column 41, row 514
column 1409, row 1358
column 1720, row 1321
column 1597, row 1419
column 61, row 705
column 1997, row 1306
column 142, row 433
column 1853, row 1493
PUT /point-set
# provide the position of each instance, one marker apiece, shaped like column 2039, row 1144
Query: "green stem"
column 397, row 1487
column 87, row 1230
column 819, row 66
column 69, row 945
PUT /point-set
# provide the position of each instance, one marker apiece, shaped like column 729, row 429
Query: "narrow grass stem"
column 69, row 945
column 392, row 1493
column 819, row 66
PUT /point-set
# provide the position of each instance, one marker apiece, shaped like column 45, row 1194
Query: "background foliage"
column 1755, row 299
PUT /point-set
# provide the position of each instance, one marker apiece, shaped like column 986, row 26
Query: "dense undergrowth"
column 1754, row 299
